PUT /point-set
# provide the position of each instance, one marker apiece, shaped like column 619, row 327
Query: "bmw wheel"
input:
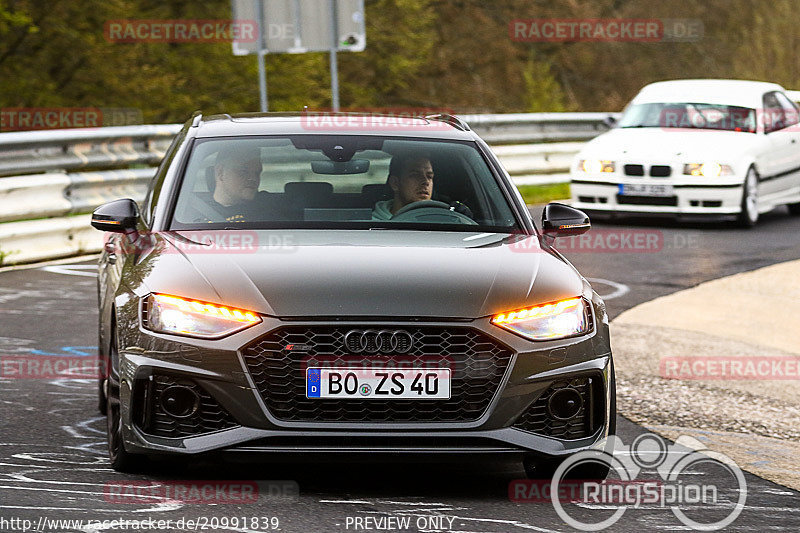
column 748, row 216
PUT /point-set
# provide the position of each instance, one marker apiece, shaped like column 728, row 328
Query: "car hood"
column 361, row 273
column 657, row 144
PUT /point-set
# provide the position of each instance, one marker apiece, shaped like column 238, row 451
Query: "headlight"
column 707, row 170
column 179, row 316
column 594, row 166
column 554, row 320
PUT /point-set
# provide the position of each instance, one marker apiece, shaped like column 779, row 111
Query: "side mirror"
column 119, row 216
column 559, row 220
column 610, row 121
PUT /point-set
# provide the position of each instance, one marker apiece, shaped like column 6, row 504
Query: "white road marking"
column 72, row 270
column 344, row 501
column 620, row 289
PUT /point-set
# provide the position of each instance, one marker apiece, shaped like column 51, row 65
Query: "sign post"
column 301, row 26
column 334, row 62
column 261, row 57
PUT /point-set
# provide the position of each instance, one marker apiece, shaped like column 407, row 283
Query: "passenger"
column 235, row 196
column 411, row 180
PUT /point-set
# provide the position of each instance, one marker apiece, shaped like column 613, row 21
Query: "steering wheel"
column 430, row 211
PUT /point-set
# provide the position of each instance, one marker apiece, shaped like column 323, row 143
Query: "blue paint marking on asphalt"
column 71, row 351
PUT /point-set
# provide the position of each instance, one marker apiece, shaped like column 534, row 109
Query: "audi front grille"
column 277, row 364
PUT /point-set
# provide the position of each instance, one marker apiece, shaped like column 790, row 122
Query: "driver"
column 411, row 180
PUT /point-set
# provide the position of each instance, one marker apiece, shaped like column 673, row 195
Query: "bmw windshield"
column 340, row 182
column 689, row 115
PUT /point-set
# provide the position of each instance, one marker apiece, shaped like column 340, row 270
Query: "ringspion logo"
column 684, row 471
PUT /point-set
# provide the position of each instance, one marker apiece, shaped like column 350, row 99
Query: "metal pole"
column 334, row 48
column 261, row 57
column 298, row 28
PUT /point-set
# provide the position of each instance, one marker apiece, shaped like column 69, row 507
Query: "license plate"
column 644, row 189
column 378, row 383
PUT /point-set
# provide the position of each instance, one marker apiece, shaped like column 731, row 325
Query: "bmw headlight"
column 181, row 316
column 595, row 166
column 707, row 170
column 555, row 320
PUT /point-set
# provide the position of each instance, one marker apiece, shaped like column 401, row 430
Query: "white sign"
column 300, row 26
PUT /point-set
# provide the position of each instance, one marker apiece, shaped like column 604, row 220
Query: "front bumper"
column 239, row 417
column 722, row 197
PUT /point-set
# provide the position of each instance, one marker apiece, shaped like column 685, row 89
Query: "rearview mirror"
column 354, row 166
column 559, row 220
column 118, row 216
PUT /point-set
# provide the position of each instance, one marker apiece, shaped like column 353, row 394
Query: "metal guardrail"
column 519, row 128
column 63, row 173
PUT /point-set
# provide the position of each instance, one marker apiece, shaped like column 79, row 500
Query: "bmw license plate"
column 378, row 383
column 645, row 189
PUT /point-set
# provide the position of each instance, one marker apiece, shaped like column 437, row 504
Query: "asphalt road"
column 52, row 441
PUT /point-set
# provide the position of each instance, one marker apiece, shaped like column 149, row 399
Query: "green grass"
column 541, row 194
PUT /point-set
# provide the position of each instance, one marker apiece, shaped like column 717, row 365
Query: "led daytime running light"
column 203, row 308
column 537, row 312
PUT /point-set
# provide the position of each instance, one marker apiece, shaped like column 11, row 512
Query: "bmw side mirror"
column 119, row 216
column 559, row 220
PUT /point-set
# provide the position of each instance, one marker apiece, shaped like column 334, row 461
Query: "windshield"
column 689, row 115
column 340, row 182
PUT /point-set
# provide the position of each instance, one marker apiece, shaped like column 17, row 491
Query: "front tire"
column 121, row 460
column 748, row 216
column 102, row 380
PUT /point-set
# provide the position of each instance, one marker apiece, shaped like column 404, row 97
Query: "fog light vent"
column 174, row 407
column 568, row 409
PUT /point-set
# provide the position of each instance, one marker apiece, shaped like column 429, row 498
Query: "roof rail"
column 449, row 119
column 197, row 118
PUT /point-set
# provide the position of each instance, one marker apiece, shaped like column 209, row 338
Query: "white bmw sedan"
column 729, row 148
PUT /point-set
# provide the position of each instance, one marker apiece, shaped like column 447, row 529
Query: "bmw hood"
column 383, row 273
column 650, row 144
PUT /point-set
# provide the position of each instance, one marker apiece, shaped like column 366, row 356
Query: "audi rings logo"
column 378, row 341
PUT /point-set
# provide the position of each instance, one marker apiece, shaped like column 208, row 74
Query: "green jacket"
column 382, row 210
